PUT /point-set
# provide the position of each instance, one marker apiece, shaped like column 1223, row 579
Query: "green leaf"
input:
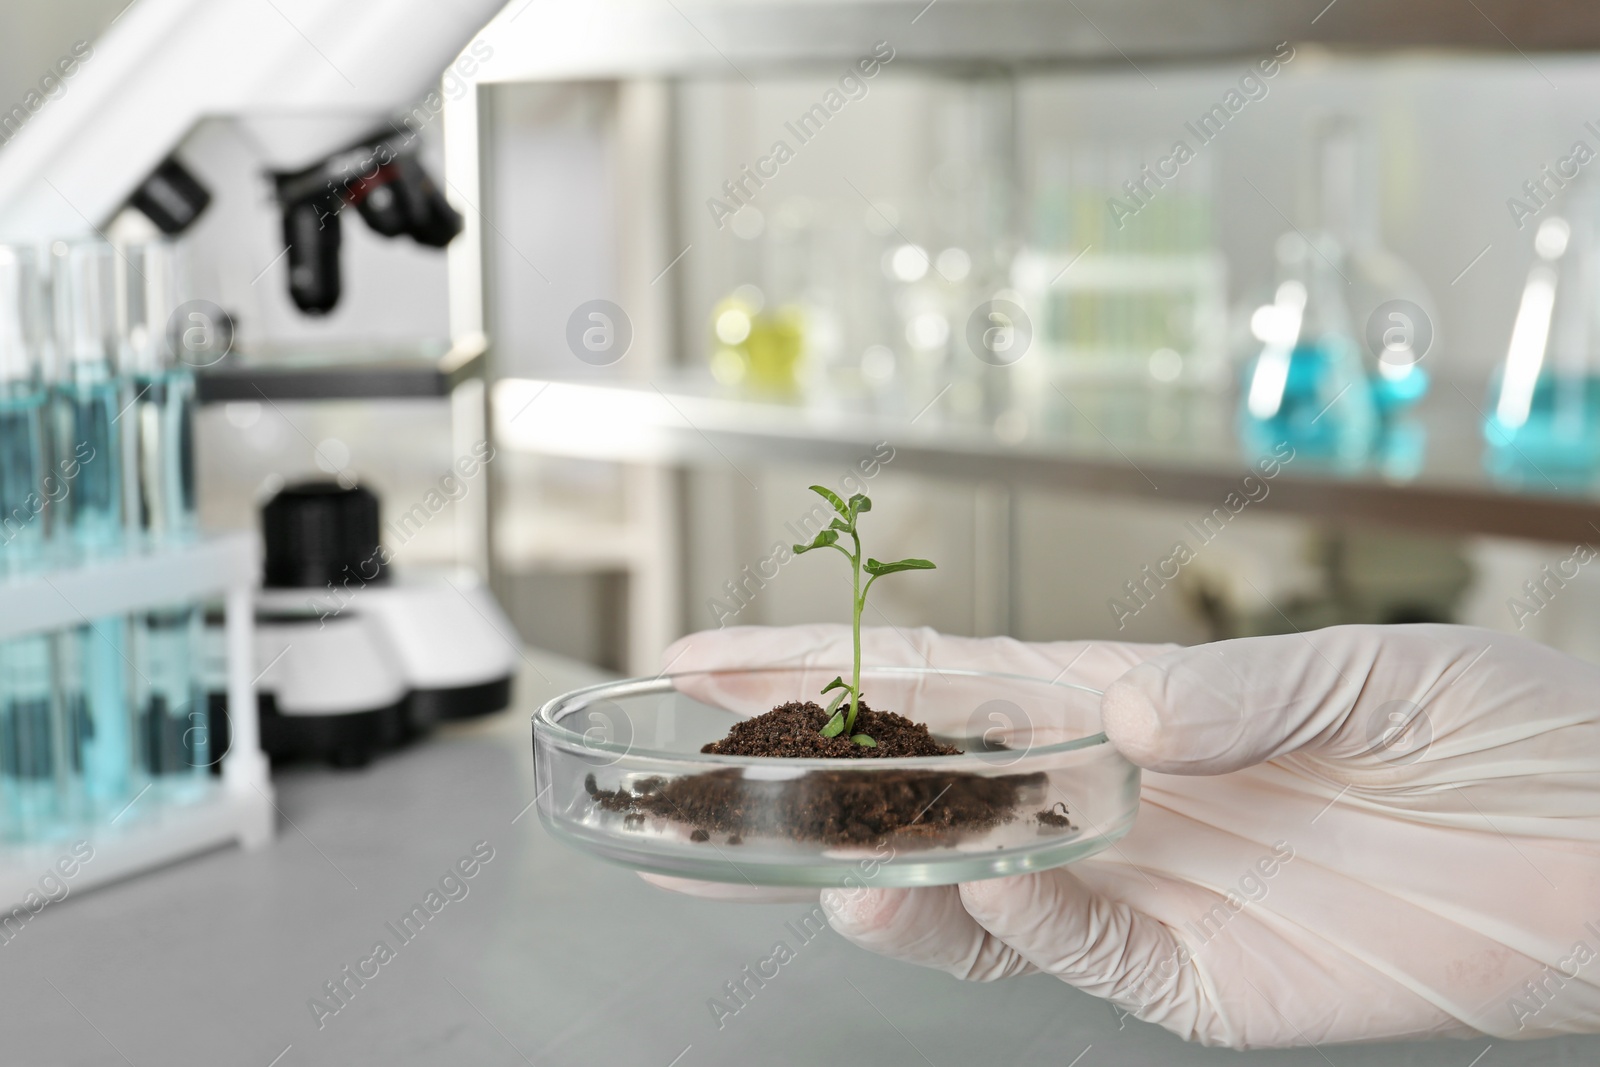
column 834, row 706
column 864, row 741
column 833, row 498
column 877, row 570
column 837, row 683
column 859, row 503
column 822, row 540
column 839, row 524
column 835, row 725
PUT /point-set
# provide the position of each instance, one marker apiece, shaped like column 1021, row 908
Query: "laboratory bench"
column 540, row 956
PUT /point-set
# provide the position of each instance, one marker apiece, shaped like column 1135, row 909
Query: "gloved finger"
column 1094, row 664
column 742, row 893
column 1104, row 947
column 928, row 927
column 745, row 646
column 718, row 668
column 1342, row 692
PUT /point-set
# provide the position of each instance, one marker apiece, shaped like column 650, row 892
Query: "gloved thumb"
column 1051, row 922
column 1100, row 945
column 1215, row 708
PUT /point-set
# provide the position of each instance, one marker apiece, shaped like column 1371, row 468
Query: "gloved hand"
column 1360, row 833
column 1081, row 663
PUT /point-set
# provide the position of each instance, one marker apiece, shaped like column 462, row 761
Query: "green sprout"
column 840, row 721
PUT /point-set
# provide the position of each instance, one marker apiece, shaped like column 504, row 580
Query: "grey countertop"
column 549, row 957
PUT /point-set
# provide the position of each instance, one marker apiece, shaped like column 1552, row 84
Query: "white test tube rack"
column 235, row 807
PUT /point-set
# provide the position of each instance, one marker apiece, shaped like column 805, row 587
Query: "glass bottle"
column 758, row 331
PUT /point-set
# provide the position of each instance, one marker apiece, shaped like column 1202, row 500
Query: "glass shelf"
column 1164, row 445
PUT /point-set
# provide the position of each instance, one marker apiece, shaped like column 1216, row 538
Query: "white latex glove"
column 1360, row 833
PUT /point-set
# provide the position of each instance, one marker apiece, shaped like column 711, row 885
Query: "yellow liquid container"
column 757, row 350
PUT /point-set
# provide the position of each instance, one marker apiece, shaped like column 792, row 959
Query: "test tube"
column 87, row 405
column 33, row 782
column 174, row 747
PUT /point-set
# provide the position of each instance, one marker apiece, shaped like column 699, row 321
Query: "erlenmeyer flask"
column 1544, row 423
column 1348, row 321
column 1391, row 311
column 1307, row 385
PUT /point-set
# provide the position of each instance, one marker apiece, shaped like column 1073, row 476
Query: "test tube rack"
column 236, row 806
column 1195, row 283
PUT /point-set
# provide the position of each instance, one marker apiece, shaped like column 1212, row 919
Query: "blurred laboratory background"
column 828, row 305
column 372, row 368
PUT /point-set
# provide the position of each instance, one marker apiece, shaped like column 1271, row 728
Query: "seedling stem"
column 843, row 722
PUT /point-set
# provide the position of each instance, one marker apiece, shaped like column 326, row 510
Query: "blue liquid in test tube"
column 171, row 706
column 94, row 664
column 33, row 779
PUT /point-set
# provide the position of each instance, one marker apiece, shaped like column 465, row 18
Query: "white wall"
column 34, row 35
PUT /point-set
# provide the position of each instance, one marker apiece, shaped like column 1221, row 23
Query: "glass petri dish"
column 620, row 775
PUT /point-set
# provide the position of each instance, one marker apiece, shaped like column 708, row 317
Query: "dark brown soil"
column 794, row 730
column 834, row 807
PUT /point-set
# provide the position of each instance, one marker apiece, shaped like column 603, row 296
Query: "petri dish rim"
column 571, row 701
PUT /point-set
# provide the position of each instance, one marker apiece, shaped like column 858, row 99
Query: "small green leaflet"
column 822, row 540
column 837, row 683
column 858, row 504
column 863, row 740
column 833, row 498
column 835, row 725
column 878, row 570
